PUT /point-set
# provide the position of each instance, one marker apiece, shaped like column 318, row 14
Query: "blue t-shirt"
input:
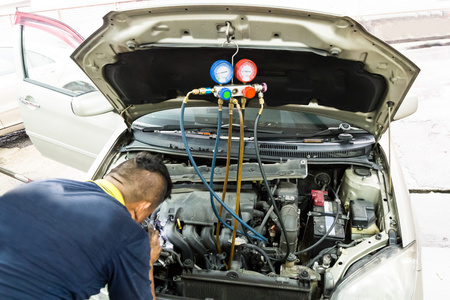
column 64, row 239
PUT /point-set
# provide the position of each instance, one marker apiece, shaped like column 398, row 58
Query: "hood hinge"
column 122, row 114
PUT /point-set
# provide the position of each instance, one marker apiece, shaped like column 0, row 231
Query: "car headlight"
column 391, row 274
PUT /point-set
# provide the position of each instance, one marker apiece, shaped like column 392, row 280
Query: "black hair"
column 148, row 162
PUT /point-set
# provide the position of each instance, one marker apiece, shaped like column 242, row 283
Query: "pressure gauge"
column 221, row 72
column 245, row 70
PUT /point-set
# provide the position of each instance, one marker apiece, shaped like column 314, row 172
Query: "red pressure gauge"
column 245, row 70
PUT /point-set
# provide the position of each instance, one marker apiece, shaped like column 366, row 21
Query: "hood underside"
column 292, row 77
column 148, row 60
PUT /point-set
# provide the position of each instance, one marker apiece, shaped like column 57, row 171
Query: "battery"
column 324, row 214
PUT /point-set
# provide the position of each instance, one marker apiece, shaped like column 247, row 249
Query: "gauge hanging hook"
column 227, row 32
column 237, row 50
column 232, row 57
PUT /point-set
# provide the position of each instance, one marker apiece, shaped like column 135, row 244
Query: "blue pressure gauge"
column 221, row 72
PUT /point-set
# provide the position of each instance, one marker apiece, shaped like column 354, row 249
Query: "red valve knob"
column 249, row 92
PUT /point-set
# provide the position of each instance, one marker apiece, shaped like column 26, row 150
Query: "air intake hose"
column 291, row 220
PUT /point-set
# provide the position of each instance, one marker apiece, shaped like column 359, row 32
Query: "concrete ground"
column 431, row 215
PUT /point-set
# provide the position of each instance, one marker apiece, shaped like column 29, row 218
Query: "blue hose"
column 194, row 165
column 213, row 166
column 211, row 180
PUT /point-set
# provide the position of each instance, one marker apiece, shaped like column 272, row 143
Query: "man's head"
column 144, row 182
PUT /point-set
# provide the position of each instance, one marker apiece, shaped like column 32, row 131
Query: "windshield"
column 272, row 120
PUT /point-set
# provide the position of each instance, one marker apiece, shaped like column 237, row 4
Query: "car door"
column 10, row 118
column 49, row 82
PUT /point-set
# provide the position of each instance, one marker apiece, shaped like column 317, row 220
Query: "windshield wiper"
column 342, row 128
column 170, row 127
column 249, row 129
column 266, row 133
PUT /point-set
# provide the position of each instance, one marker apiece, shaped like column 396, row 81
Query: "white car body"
column 10, row 118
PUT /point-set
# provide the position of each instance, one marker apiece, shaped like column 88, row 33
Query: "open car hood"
column 148, row 59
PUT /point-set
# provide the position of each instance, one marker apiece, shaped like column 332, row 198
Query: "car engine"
column 332, row 217
column 287, row 217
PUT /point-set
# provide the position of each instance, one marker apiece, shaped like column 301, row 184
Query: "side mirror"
column 407, row 108
column 90, row 104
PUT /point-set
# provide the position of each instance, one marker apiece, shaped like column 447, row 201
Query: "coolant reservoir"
column 360, row 183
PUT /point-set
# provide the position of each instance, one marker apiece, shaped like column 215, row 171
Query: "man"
column 63, row 239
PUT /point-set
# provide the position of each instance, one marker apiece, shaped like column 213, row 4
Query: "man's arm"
column 150, row 276
column 155, row 250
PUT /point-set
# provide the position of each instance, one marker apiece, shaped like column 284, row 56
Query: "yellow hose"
column 239, row 177
column 224, row 191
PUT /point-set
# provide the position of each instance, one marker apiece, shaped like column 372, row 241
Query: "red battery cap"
column 319, row 197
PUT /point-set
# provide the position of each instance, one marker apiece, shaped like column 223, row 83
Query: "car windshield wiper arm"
column 249, row 129
column 343, row 127
column 170, row 127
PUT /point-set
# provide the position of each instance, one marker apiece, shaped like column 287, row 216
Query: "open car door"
column 49, row 81
column 10, row 119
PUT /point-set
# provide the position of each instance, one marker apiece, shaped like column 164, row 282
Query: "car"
column 274, row 125
column 10, row 118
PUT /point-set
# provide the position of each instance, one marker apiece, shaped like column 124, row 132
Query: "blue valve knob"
column 225, row 94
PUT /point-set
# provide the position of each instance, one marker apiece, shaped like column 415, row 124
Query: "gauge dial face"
column 245, row 70
column 221, row 72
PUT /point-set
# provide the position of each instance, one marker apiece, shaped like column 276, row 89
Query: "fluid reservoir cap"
column 363, row 172
column 225, row 94
column 249, row 92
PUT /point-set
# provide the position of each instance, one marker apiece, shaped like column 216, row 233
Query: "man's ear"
column 141, row 211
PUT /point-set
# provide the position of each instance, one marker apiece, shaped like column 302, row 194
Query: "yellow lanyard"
column 110, row 189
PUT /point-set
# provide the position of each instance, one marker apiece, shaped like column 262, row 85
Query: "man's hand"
column 155, row 250
column 155, row 247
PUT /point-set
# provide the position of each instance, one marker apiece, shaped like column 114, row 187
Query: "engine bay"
column 333, row 215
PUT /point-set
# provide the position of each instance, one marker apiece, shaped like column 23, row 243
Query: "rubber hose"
column 239, row 179
column 218, row 215
column 263, row 253
column 194, row 165
column 269, row 191
column 211, row 180
column 227, row 169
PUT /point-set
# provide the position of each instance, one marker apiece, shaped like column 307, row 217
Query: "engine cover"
column 194, row 208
